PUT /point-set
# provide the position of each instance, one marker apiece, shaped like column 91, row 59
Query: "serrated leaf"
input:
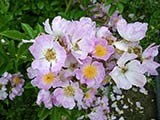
column 112, row 9
column 108, row 2
column 28, row 30
column 13, row 34
column 120, row 7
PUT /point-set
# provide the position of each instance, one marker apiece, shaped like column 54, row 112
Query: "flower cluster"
column 74, row 61
column 11, row 85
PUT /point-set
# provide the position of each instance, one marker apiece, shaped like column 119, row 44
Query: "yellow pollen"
column 100, row 51
column 92, row 89
column 69, row 91
column 90, row 71
column 50, row 55
column 48, row 78
column 104, row 82
column 87, row 95
column 115, row 21
column 110, row 40
column 76, row 47
column 16, row 80
column 124, row 69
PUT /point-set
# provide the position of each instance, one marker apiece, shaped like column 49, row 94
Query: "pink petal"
column 151, row 66
column 47, row 27
column 132, row 31
column 120, row 79
column 136, row 78
column 150, row 51
column 125, row 57
column 136, row 66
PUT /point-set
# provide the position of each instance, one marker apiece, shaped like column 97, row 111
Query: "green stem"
column 65, row 2
column 68, row 6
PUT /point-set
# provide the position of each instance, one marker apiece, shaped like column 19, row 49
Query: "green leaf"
column 120, row 7
column 107, row 2
column 28, row 30
column 8, row 65
column 43, row 113
column 112, row 9
column 5, row 19
column 55, row 115
column 28, row 86
column 39, row 29
column 124, row 1
column 3, row 54
column 4, row 6
column 23, row 49
column 11, row 48
column 40, row 5
column 85, row 2
column 13, row 34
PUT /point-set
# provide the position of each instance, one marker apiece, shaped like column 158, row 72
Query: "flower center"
column 124, row 69
column 48, row 78
column 89, row 71
column 87, row 95
column 73, row 66
column 110, row 40
column 1, row 86
column 100, row 51
column 50, row 55
column 76, row 47
column 16, row 80
column 69, row 91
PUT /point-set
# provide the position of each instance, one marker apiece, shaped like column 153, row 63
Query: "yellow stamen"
column 48, row 78
column 87, row 95
column 90, row 71
column 50, row 55
column 100, row 51
column 69, row 91
column 16, row 80
column 104, row 82
column 124, row 69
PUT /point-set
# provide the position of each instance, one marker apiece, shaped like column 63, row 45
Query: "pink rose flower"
column 90, row 73
column 45, row 97
column 104, row 33
column 102, row 50
column 127, row 73
column 45, row 80
column 58, row 27
column 68, row 94
column 148, row 59
column 80, row 37
column 48, row 54
column 131, row 31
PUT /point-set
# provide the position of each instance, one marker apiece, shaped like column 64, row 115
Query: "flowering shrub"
column 75, row 60
column 81, row 65
column 11, row 85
